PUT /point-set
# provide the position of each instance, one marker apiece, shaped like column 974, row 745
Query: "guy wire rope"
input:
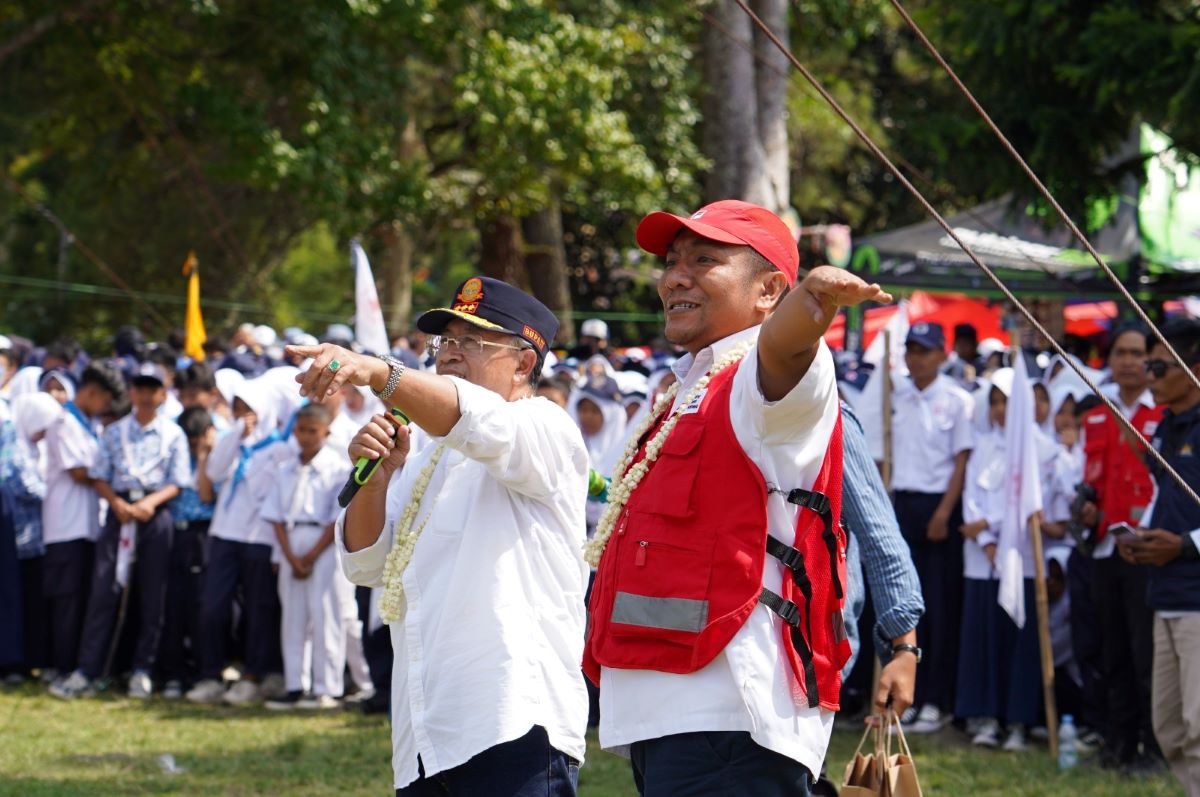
column 1008, row 294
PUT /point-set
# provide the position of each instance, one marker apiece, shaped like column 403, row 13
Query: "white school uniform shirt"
column 748, row 686
column 930, row 428
column 491, row 641
column 236, row 516
column 316, row 502
column 983, row 499
column 71, row 511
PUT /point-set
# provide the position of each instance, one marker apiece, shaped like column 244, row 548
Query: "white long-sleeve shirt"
column 491, row 639
column 237, row 514
column 747, row 687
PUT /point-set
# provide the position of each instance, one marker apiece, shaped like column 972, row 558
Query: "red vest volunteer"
column 716, row 620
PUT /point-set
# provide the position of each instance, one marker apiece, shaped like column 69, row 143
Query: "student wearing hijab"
column 243, row 465
column 22, row 489
column 59, row 384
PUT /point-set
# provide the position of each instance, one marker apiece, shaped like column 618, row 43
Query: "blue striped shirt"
column 147, row 458
column 874, row 545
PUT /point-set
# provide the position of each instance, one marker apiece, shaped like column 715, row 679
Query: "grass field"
column 113, row 746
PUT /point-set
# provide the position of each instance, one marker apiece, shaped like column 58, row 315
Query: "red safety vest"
column 683, row 568
column 1115, row 467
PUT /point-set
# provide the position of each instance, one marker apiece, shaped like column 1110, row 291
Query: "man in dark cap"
column 487, row 621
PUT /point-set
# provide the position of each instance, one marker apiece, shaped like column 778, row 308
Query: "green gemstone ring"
column 334, row 365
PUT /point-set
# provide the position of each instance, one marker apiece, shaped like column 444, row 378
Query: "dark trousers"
column 940, row 569
column 1085, row 642
column 715, row 764
column 178, row 652
column 35, row 614
column 1127, row 643
column 147, row 579
column 525, row 767
column 231, row 564
column 66, row 582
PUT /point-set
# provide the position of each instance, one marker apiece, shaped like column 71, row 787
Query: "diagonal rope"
column 1004, row 289
column 1043, row 190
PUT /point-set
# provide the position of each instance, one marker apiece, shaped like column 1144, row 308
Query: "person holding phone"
column 1169, row 547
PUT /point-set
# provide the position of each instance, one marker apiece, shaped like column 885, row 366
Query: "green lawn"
column 112, row 746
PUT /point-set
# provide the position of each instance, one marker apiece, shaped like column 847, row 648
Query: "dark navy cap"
column 927, row 334
column 491, row 304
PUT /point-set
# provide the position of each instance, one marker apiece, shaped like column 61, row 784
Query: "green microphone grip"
column 364, row 468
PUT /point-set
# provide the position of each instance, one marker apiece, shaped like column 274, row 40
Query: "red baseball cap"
column 729, row 221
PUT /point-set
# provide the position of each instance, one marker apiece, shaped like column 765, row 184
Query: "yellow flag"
column 193, row 325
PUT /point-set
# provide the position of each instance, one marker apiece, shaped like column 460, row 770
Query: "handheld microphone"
column 365, row 468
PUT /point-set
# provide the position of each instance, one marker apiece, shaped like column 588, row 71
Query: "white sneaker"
column 929, row 720
column 988, row 734
column 172, row 691
column 243, row 693
column 361, row 696
column 74, row 685
column 208, row 692
column 318, row 703
column 1015, row 743
column 273, row 686
column 140, row 686
column 909, row 716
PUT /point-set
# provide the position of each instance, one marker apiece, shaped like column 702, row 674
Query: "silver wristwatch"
column 396, row 371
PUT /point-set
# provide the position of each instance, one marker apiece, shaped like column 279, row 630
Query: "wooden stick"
column 1043, row 620
column 886, row 365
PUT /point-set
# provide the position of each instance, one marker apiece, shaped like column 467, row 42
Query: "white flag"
column 369, row 331
column 869, row 406
column 1022, row 492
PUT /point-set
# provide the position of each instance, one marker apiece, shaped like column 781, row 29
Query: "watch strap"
column 396, row 370
column 913, row 649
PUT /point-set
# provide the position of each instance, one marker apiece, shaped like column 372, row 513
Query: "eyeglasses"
column 1158, row 368
column 467, row 344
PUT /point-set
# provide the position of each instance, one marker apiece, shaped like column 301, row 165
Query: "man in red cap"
column 715, row 629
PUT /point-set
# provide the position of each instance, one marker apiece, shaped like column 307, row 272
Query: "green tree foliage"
column 233, row 127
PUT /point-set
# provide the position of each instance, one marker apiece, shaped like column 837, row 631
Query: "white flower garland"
column 405, row 543
column 626, row 478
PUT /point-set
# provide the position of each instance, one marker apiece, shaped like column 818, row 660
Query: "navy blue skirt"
column 999, row 671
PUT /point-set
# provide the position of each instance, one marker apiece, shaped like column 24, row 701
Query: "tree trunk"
column 745, row 123
column 397, row 276
column 771, row 79
column 546, row 265
column 500, row 250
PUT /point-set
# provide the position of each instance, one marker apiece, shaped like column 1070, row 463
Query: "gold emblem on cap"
column 471, row 291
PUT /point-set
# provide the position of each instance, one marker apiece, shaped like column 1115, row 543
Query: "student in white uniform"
column 302, row 508
column 71, row 510
column 931, row 440
column 487, row 619
column 142, row 462
column 244, row 465
column 998, row 676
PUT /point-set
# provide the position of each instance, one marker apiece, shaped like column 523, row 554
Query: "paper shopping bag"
column 900, row 770
column 864, row 773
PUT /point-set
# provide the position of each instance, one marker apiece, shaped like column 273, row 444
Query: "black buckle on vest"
column 791, row 558
column 810, row 499
column 787, row 611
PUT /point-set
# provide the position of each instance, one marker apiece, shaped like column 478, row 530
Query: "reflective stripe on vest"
column 671, row 614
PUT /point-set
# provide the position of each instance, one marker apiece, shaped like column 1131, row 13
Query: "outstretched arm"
column 789, row 337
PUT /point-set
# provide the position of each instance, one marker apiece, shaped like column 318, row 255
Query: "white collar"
column 688, row 363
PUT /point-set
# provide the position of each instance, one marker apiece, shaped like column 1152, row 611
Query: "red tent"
column 948, row 310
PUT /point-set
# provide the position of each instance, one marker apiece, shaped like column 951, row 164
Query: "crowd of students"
column 164, row 519
column 950, row 481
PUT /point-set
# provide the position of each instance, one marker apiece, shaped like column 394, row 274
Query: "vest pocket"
column 667, row 488
column 661, row 586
